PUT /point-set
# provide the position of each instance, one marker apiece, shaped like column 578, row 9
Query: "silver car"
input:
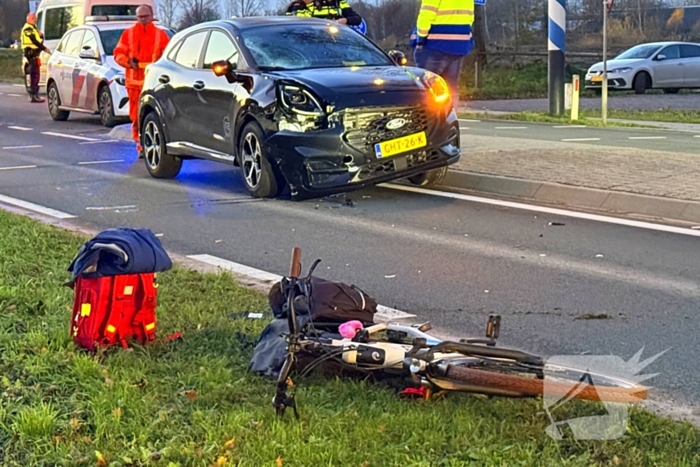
column 659, row 65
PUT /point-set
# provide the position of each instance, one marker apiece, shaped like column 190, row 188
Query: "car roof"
column 250, row 22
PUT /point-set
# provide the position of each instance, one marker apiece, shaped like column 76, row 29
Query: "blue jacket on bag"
column 120, row 251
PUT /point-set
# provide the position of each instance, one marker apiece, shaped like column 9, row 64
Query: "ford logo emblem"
column 395, row 124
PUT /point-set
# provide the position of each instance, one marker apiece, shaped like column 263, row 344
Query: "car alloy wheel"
column 106, row 108
column 152, row 144
column 54, row 101
column 252, row 161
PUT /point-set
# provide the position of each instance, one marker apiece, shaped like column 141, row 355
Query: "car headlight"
column 437, row 86
column 299, row 101
column 625, row 69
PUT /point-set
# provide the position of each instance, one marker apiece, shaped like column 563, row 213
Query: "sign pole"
column 605, row 63
column 557, row 58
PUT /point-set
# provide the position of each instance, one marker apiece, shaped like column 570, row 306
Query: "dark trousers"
column 446, row 65
column 34, row 72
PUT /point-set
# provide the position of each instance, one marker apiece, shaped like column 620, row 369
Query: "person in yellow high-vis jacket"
column 32, row 45
column 442, row 37
column 336, row 10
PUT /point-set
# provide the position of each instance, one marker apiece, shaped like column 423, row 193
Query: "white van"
column 55, row 17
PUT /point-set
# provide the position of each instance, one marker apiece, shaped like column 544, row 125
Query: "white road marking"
column 35, row 207
column 647, row 137
column 63, row 135
column 106, row 208
column 19, row 167
column 100, row 162
column 20, row 128
column 22, row 147
column 15, row 95
column 569, row 126
column 555, row 211
column 696, row 136
column 468, row 120
column 101, row 141
column 580, row 139
column 243, row 270
column 510, row 127
column 18, row 85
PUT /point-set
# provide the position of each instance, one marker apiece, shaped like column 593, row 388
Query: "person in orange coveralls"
column 138, row 46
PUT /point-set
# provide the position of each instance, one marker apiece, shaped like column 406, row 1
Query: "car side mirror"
column 661, row 57
column 88, row 54
column 398, row 57
column 225, row 68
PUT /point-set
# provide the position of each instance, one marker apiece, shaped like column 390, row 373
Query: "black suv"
column 305, row 103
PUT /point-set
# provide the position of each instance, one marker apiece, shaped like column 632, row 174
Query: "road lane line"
column 580, row 139
column 468, row 120
column 696, row 136
column 35, row 207
column 100, row 162
column 101, row 141
column 647, row 137
column 243, row 270
column 20, row 128
column 16, row 167
column 554, row 211
column 510, row 127
column 18, row 85
column 22, row 147
column 15, row 95
column 569, row 126
column 107, row 208
column 63, row 135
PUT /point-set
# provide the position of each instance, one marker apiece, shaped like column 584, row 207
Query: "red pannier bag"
column 109, row 310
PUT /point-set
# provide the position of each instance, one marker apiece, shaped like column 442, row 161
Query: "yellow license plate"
column 401, row 145
column 597, row 79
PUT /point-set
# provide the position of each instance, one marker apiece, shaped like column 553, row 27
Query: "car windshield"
column 291, row 47
column 110, row 38
column 640, row 51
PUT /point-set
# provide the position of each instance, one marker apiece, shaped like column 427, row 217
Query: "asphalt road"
column 449, row 261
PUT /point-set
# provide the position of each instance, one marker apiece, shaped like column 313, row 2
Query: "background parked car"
column 301, row 102
column 82, row 73
column 670, row 66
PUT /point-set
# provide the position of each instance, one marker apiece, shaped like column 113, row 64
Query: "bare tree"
column 198, row 11
column 243, row 8
column 166, row 12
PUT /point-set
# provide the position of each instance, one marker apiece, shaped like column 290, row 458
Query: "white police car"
column 82, row 75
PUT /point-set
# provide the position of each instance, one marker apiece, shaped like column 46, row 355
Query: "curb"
column 121, row 132
column 574, row 196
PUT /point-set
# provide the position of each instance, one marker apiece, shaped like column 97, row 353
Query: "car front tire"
column 642, row 82
column 261, row 178
column 429, row 178
column 54, row 101
column 159, row 163
column 106, row 107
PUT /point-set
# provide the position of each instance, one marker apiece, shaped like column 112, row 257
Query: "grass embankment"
column 516, row 82
column 10, row 66
column 544, row 117
column 191, row 402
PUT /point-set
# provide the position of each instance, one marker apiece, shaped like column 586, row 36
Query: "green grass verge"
column 544, row 117
column 191, row 402
column 10, row 66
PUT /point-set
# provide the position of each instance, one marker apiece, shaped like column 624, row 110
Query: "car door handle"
column 165, row 79
column 198, row 85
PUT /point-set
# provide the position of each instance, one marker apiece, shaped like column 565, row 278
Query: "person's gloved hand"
column 134, row 63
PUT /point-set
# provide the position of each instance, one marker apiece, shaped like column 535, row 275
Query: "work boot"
column 36, row 99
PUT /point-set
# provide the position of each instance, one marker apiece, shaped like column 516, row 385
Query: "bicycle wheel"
column 572, row 384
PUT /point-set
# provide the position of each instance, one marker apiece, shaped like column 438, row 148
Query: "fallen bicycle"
column 302, row 338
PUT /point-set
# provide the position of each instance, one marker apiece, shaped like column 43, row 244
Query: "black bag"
column 330, row 302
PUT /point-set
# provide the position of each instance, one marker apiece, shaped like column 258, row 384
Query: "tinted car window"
column 292, row 47
column 59, row 20
column 672, row 52
column 114, row 10
column 190, row 50
column 110, row 39
column 220, row 47
column 72, row 46
column 690, row 51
